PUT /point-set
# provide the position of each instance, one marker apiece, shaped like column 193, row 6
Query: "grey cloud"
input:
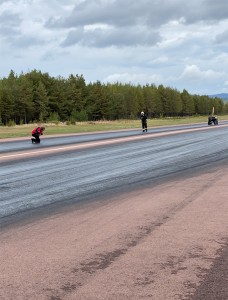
column 8, row 31
column 52, row 56
column 10, row 19
column 26, row 42
column 3, row 1
column 116, row 13
column 114, row 37
column 192, row 11
column 74, row 37
column 9, row 24
column 214, row 10
column 121, row 13
column 222, row 38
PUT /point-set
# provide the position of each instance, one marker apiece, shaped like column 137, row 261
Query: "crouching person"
column 36, row 133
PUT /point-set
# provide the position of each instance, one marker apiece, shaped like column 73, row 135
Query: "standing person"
column 143, row 118
column 36, row 133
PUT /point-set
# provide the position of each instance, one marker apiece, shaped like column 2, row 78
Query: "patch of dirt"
column 156, row 243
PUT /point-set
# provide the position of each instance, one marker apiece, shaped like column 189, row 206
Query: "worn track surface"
column 152, row 223
column 159, row 243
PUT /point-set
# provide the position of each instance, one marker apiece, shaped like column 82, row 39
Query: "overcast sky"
column 180, row 44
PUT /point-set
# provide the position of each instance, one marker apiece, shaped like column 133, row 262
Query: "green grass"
column 25, row 130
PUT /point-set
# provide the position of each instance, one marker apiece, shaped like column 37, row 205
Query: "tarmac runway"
column 127, row 217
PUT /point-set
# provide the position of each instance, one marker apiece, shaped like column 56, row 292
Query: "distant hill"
column 223, row 96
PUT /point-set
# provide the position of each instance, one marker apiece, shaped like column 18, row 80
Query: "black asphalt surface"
column 82, row 138
column 69, row 177
column 42, row 184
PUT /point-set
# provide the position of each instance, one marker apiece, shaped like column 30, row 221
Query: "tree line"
column 38, row 97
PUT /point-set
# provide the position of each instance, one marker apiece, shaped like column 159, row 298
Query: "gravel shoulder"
column 155, row 243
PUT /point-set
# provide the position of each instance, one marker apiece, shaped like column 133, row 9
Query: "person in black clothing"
column 143, row 118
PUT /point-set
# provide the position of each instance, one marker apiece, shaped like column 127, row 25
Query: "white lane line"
column 44, row 151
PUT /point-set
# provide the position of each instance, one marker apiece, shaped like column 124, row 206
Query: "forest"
column 38, row 97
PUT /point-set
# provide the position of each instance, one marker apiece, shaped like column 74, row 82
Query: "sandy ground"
column 156, row 243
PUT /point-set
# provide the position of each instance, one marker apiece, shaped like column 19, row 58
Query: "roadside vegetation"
column 37, row 97
column 70, row 105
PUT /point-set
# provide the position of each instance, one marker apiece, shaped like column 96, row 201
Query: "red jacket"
column 37, row 130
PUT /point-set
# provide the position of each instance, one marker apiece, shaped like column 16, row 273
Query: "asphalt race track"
column 38, row 180
column 22, row 144
column 31, row 182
